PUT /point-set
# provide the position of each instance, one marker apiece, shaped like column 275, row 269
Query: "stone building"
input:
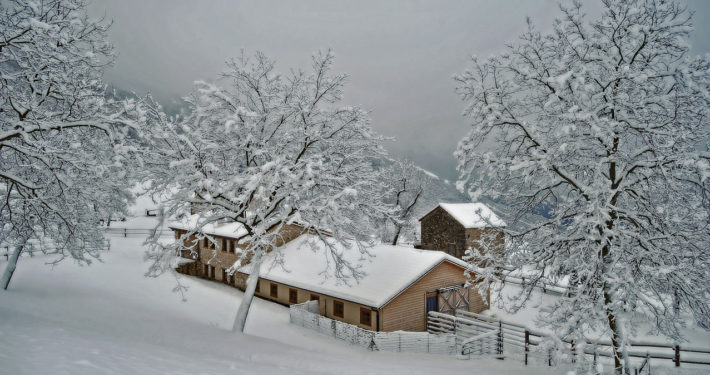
column 454, row 227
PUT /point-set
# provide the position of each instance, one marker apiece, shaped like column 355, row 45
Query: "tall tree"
column 263, row 150
column 604, row 126
column 58, row 133
column 407, row 183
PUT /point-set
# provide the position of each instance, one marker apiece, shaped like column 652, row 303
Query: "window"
column 274, row 292
column 213, row 270
column 451, row 249
column 315, row 297
column 225, row 276
column 292, row 295
column 206, row 270
column 365, row 316
column 224, row 245
column 231, row 279
column 338, row 309
column 257, row 286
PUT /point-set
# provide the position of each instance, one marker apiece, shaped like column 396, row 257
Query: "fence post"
column 500, row 339
column 574, row 355
column 125, row 232
column 400, row 342
column 549, row 357
column 677, row 355
column 527, row 345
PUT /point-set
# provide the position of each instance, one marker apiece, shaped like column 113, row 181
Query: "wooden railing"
column 517, row 339
column 136, row 232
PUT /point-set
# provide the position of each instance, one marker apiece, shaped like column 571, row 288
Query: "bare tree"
column 407, row 183
column 602, row 130
column 59, row 134
column 263, row 150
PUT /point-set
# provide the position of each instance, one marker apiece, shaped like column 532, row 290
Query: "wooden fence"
column 473, row 333
column 306, row 315
column 136, row 232
column 47, row 250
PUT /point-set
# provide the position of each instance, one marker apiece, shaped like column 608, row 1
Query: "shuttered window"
column 338, row 309
column 365, row 316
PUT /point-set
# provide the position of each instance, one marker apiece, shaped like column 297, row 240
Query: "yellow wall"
column 407, row 312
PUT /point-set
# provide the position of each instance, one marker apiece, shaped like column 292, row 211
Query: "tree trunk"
column 397, row 231
column 11, row 266
column 241, row 319
column 619, row 353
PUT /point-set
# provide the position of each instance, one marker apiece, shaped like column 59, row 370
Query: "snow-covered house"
column 400, row 286
column 454, row 227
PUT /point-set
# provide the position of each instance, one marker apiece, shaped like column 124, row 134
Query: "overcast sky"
column 400, row 55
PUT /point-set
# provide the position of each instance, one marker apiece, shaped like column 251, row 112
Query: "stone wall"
column 441, row 232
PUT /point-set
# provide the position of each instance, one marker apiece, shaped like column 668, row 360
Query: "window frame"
column 340, row 304
column 314, row 297
column 366, row 312
column 274, row 290
column 292, row 293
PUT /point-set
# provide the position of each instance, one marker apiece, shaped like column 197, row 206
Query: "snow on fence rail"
column 474, row 335
column 136, row 232
column 31, row 251
column 306, row 315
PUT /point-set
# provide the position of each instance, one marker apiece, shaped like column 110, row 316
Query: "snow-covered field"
column 108, row 318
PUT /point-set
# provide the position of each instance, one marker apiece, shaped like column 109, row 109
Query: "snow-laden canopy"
column 193, row 222
column 473, row 215
column 389, row 271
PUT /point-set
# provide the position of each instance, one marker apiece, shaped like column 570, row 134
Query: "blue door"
column 432, row 302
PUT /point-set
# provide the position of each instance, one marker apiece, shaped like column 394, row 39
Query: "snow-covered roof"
column 473, row 215
column 391, row 270
column 232, row 230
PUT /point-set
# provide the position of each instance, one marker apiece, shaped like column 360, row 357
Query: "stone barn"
column 454, row 227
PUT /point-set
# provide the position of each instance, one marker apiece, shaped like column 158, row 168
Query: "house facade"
column 401, row 284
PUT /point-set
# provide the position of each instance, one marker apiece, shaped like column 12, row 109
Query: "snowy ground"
column 108, row 318
column 695, row 336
